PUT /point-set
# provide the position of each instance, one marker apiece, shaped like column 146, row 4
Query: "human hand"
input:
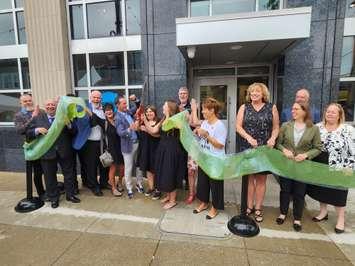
column 288, row 153
column 143, row 128
column 301, row 157
column 41, row 130
column 253, row 142
column 87, row 110
column 193, row 104
column 202, row 133
column 271, row 142
column 132, row 97
column 35, row 111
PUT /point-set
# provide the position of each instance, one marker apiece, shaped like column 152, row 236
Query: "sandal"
column 258, row 215
column 165, row 200
column 169, row 205
column 197, row 210
column 250, row 211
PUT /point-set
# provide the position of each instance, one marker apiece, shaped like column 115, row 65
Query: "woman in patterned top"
column 257, row 124
column 338, row 151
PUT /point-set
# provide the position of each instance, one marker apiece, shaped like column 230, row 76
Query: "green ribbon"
column 261, row 159
column 66, row 112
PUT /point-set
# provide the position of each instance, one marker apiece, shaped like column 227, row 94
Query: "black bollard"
column 242, row 224
column 29, row 203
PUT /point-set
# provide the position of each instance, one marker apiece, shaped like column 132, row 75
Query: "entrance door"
column 224, row 90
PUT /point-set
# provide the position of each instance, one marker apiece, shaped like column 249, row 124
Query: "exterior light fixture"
column 236, row 47
column 191, row 50
column 352, row 4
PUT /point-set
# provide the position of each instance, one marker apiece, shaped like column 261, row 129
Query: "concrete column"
column 48, row 48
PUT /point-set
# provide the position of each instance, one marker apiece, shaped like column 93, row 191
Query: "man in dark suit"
column 61, row 152
column 22, row 121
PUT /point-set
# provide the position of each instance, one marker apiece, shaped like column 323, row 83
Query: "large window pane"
column 5, row 4
column 107, row 69
column 232, row 6
column 21, row 27
column 83, row 94
column 347, row 99
column 347, row 68
column 19, row 3
column 269, row 4
column 9, row 74
column 135, row 68
column 76, row 22
column 25, row 73
column 104, row 19
column 133, row 17
column 9, row 105
column 199, row 8
column 80, row 75
column 7, row 34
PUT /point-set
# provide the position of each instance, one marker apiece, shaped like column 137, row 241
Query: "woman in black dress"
column 113, row 144
column 257, row 124
column 148, row 144
column 169, row 161
column 338, row 150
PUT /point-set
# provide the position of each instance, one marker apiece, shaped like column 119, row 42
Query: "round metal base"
column 28, row 205
column 243, row 225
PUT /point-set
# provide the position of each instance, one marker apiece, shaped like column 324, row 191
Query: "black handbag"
column 105, row 157
column 323, row 157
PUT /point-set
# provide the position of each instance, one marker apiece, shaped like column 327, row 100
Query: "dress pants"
column 50, row 168
column 205, row 184
column 36, row 167
column 79, row 155
column 297, row 190
column 130, row 162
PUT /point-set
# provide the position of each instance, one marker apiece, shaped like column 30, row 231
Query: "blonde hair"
column 264, row 90
column 340, row 112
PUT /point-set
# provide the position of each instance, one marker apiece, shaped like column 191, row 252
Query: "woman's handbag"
column 105, row 157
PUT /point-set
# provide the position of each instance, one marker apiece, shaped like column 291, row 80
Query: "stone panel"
column 167, row 87
column 165, row 12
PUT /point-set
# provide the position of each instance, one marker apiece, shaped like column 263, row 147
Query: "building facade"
column 152, row 47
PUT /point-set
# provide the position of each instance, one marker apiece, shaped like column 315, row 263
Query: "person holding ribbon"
column 212, row 136
column 257, row 124
column 298, row 140
column 338, row 150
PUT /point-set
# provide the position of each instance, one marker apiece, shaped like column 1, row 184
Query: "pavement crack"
column 155, row 251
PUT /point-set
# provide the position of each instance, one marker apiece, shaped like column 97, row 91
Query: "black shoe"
column 73, row 199
column 156, row 195
column 315, row 219
column 97, row 192
column 280, row 221
column 297, row 227
column 44, row 197
column 55, row 204
column 106, row 186
column 89, row 186
column 338, row 231
column 76, row 191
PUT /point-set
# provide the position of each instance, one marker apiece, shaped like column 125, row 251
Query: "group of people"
column 135, row 140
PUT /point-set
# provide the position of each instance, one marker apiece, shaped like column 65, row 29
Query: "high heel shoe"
column 338, row 231
column 316, row 220
column 190, row 199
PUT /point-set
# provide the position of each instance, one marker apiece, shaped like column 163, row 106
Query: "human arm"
column 275, row 127
column 193, row 118
column 280, row 142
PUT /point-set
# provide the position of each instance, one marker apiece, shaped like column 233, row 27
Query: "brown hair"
column 264, row 91
column 153, row 109
column 173, row 107
column 212, row 103
column 308, row 117
column 340, row 112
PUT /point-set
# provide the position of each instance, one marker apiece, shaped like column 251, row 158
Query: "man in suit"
column 126, row 129
column 61, row 152
column 22, row 120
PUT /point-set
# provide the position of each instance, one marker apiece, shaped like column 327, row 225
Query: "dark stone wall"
column 11, row 152
column 164, row 65
column 314, row 63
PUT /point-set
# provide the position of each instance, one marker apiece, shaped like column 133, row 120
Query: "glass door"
column 222, row 89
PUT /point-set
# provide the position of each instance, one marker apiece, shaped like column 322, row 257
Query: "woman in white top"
column 338, row 150
column 212, row 135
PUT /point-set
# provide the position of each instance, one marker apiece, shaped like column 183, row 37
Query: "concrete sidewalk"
column 119, row 231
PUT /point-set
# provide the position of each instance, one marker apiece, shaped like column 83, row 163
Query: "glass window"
column 9, row 105
column 5, row 4
column 19, row 3
column 219, row 92
column 107, row 69
column 214, row 72
column 83, row 94
column 199, row 8
column 9, row 74
column 269, row 4
column 347, row 99
column 347, row 68
column 76, row 22
column 7, row 35
column 79, row 66
column 25, row 73
column 21, row 27
column 133, row 17
column 135, row 68
column 253, row 70
column 104, row 19
column 232, row 6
